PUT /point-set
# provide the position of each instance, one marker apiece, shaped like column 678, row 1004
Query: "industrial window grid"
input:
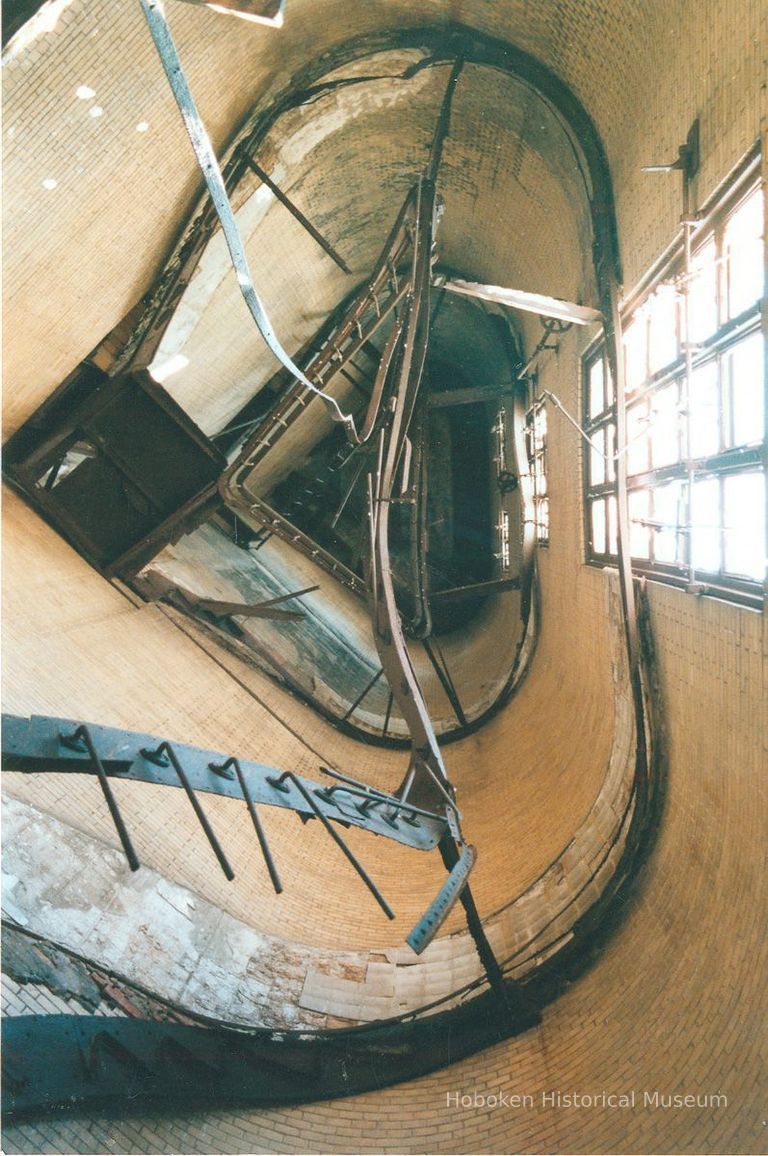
column 536, row 435
column 696, row 416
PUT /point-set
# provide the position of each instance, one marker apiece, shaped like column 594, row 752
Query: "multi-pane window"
column 502, row 474
column 695, row 406
column 503, row 531
column 537, row 456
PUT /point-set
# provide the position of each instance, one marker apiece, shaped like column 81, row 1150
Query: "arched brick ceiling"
column 515, row 213
column 123, row 193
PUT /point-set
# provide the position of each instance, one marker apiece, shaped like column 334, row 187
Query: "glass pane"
column 639, row 533
column 637, row 438
column 501, row 440
column 610, row 441
column 635, row 352
column 665, row 426
column 609, row 395
column 504, row 539
column 596, row 459
column 744, row 254
column 596, row 385
column 744, row 517
column 540, row 426
column 706, row 521
column 705, row 412
column 662, row 345
column 702, row 300
column 542, row 520
column 599, row 536
column 669, row 512
column 745, row 377
column 613, row 528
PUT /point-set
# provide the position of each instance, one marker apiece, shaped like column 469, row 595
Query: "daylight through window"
column 696, row 434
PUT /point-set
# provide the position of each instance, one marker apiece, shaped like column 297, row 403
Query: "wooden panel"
column 136, row 465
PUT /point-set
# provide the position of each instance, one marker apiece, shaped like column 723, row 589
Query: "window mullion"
column 700, row 460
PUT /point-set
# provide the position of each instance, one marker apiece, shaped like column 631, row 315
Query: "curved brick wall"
column 76, row 893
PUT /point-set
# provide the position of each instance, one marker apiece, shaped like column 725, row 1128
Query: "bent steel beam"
column 209, row 166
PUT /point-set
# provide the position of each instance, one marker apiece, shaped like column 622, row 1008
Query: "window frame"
column 537, row 448
column 729, row 460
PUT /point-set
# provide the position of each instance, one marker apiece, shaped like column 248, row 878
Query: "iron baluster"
column 280, row 785
column 75, row 742
column 159, row 757
column 260, row 835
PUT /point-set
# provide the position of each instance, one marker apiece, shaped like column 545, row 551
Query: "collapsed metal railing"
column 380, row 303
column 389, row 417
column 43, row 744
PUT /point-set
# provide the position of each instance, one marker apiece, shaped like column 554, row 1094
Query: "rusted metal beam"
column 427, row 776
column 155, row 585
column 219, row 194
column 441, row 670
column 222, row 769
column 368, row 312
column 368, row 687
column 296, row 212
column 443, row 123
column 477, row 394
column 443, row 903
column 82, row 1063
column 32, row 746
column 493, row 586
column 551, row 307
